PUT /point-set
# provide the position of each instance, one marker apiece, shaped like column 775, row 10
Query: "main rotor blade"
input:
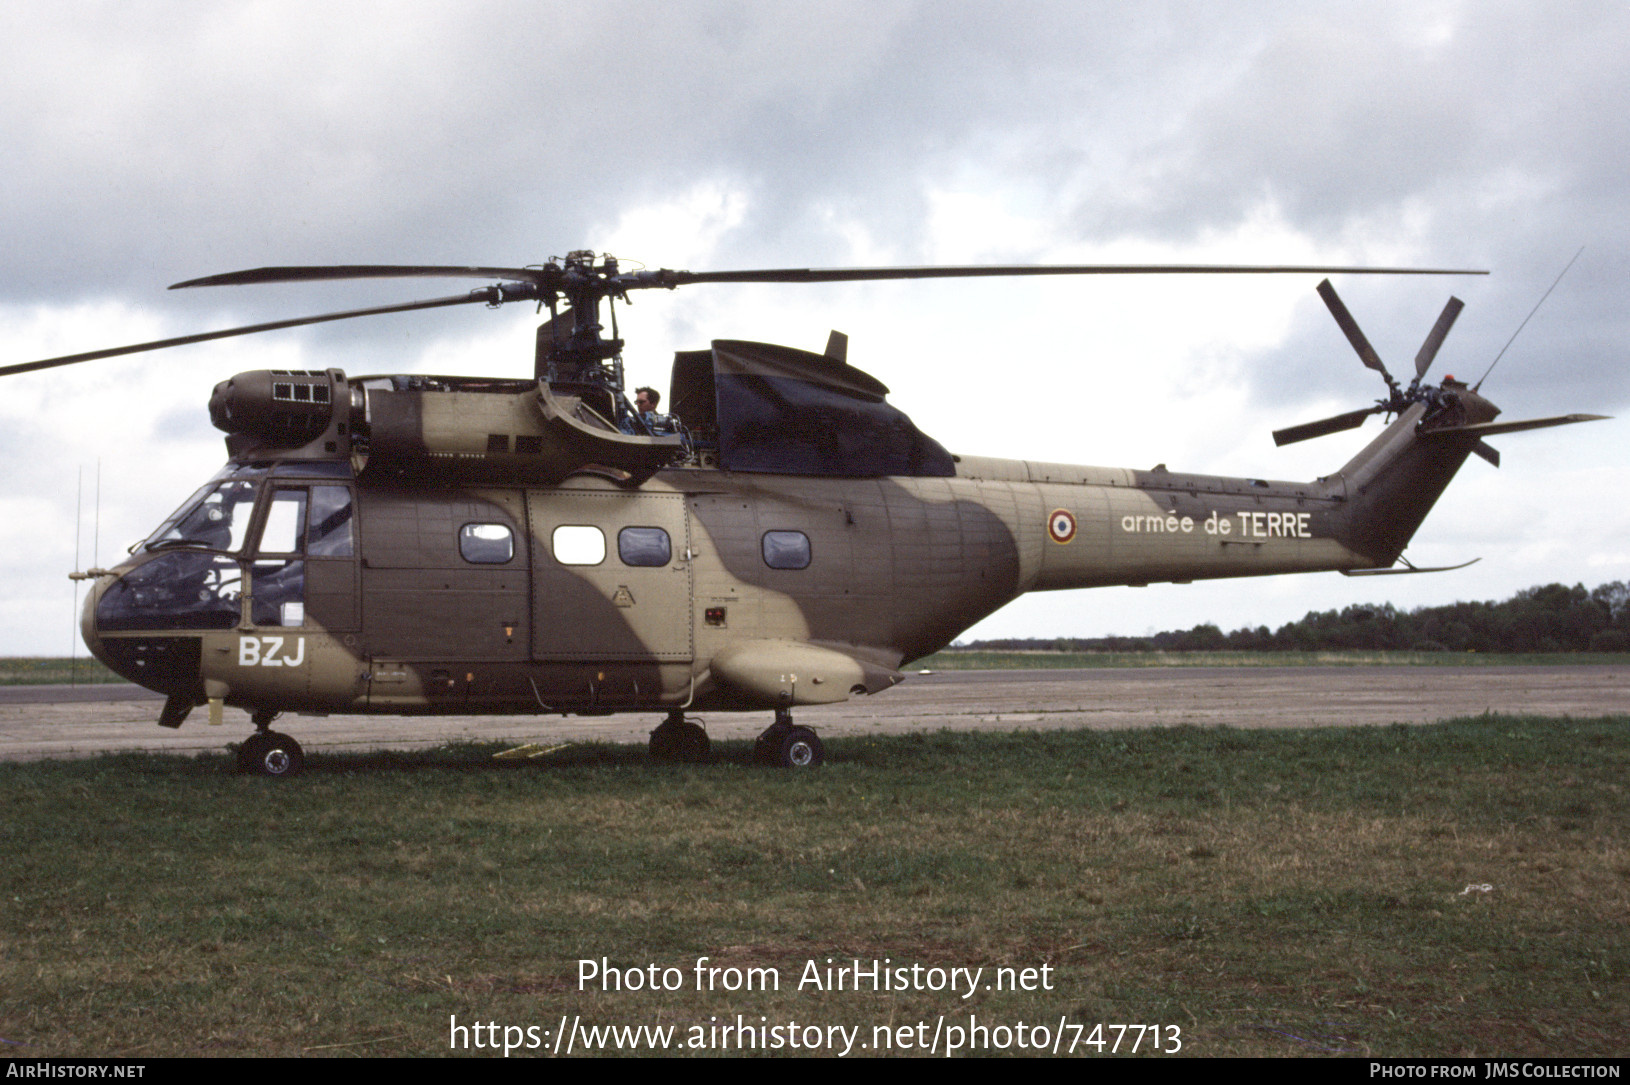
column 1434, row 338
column 180, row 341
column 1349, row 327
column 525, row 283
column 1308, row 430
column 665, row 277
column 261, row 275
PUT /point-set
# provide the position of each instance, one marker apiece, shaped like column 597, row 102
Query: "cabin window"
column 786, row 549
column 486, row 544
column 648, row 546
column 579, row 544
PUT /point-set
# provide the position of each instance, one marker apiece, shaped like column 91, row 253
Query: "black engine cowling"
column 284, row 408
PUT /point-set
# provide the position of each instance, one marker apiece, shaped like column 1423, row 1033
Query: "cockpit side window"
column 285, row 523
column 328, row 533
column 278, row 576
column 316, row 522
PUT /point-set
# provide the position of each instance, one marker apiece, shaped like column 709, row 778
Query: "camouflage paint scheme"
column 897, row 566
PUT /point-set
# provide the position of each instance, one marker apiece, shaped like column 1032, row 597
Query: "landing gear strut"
column 269, row 753
column 787, row 745
column 681, row 740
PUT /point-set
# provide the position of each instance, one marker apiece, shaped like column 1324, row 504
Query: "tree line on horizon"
column 1551, row 618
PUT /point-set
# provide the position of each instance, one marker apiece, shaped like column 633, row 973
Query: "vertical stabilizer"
column 1393, row 483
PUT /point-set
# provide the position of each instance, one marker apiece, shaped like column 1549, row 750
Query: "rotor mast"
column 582, row 355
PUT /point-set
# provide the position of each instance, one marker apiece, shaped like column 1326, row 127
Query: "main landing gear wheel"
column 680, row 740
column 268, row 753
column 800, row 749
column 788, row 746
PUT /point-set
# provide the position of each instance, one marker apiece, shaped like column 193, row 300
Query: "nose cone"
column 87, row 621
column 160, row 660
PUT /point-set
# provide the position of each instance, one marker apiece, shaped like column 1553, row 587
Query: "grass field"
column 61, row 671
column 1456, row 889
column 968, row 660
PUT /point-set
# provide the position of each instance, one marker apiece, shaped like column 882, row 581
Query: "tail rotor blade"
column 1488, row 452
column 1435, row 337
column 1349, row 327
column 1308, row 430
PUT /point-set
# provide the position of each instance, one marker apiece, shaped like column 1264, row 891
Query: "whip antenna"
column 1524, row 323
column 73, row 639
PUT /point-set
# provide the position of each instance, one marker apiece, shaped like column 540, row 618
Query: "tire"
column 692, row 747
column 249, row 752
column 800, row 748
column 268, row 753
column 683, row 742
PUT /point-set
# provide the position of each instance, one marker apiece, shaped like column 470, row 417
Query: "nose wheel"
column 787, row 745
column 268, row 753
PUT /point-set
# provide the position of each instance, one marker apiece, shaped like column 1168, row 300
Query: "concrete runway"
column 60, row 721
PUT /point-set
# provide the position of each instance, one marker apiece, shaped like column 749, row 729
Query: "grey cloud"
column 156, row 144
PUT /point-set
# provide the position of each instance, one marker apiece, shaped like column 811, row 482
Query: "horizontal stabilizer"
column 1489, row 429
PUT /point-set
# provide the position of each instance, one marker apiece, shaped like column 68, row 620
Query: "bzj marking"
column 264, row 652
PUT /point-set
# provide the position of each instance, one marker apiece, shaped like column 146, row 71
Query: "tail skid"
column 1409, row 569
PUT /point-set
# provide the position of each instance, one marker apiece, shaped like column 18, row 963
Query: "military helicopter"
column 781, row 537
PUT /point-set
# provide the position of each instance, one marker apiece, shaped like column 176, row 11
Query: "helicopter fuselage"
column 326, row 589
column 442, row 545
column 416, row 544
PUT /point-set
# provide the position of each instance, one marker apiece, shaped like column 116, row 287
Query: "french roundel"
column 1061, row 526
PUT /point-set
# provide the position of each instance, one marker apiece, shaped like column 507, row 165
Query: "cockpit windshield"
column 215, row 518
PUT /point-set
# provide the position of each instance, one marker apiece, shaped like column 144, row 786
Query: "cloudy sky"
column 147, row 144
